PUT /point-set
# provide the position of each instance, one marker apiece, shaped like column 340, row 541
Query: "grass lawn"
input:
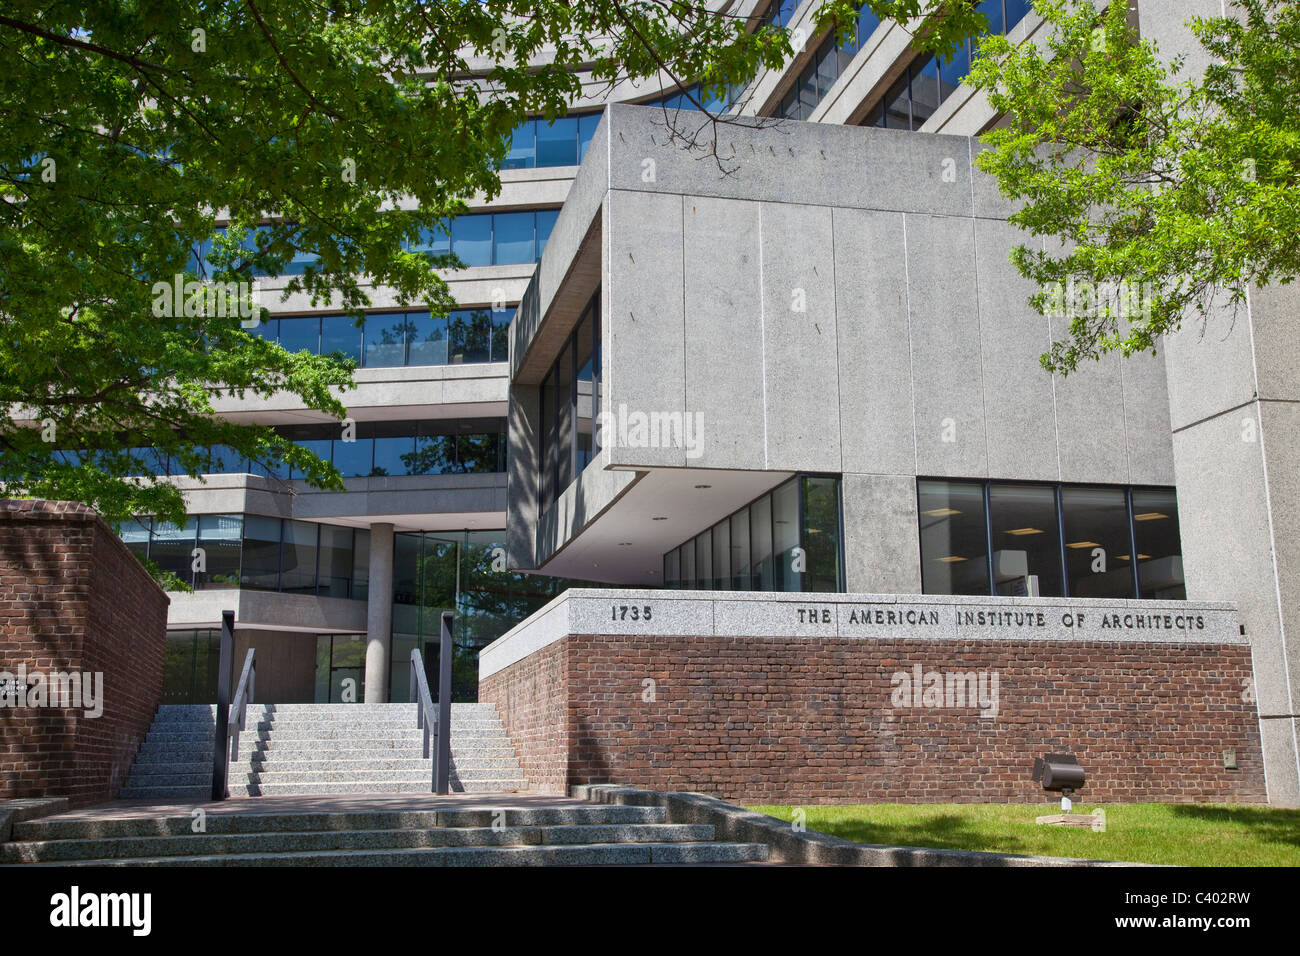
column 1179, row 834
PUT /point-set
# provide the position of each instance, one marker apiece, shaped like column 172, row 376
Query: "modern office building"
column 805, row 365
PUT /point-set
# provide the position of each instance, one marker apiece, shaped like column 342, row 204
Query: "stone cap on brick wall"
column 38, row 508
column 788, row 616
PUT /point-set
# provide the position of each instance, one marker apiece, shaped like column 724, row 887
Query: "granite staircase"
column 321, row 748
column 560, row 835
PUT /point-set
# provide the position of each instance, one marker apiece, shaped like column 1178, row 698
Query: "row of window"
column 376, row 449
column 561, row 142
column 211, row 552
column 477, row 239
column 787, row 540
column 927, row 82
column 1052, row 540
column 388, row 339
column 916, row 95
column 570, row 404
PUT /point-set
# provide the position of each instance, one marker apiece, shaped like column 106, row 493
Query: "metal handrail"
column 239, row 708
column 426, row 718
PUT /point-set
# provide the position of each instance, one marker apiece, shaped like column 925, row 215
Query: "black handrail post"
column 221, row 741
column 442, row 771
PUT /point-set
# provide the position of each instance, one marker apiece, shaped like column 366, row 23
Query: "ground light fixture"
column 1061, row 773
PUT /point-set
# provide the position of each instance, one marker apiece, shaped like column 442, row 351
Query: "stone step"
column 314, row 841
column 607, row 854
column 162, row 792
column 377, row 786
column 219, row 822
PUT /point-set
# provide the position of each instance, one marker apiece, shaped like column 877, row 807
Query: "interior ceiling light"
column 1141, row 557
column 1150, row 516
column 1019, row 531
column 1083, row 544
column 952, row 559
column 941, row 512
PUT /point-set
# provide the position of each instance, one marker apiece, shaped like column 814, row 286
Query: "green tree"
column 1164, row 194
column 339, row 135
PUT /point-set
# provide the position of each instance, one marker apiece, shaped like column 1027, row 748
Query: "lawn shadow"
column 1269, row 823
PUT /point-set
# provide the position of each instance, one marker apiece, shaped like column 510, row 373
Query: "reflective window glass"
column 1097, row 547
column 471, row 239
column 557, row 143
column 512, row 238
column 339, row 333
column 300, row 333
column 385, row 338
column 1026, row 539
column 954, row 538
column 1160, row 549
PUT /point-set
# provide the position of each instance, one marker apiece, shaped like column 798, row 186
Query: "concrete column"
column 379, row 613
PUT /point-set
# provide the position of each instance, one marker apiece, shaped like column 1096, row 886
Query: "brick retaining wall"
column 74, row 599
column 810, row 720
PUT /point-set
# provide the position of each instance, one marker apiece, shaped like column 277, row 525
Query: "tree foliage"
column 1163, row 194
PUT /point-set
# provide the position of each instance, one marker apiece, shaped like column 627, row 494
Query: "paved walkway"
column 318, row 803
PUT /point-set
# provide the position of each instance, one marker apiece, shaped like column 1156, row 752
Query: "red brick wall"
column 74, row 599
column 532, row 699
column 810, row 720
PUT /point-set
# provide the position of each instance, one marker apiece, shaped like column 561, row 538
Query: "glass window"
column 760, row 544
column 867, row 23
column 385, row 336
column 1160, row 550
column 704, row 560
column 545, row 223
column 557, row 143
column 740, row 575
column 546, row 437
column 433, row 455
column 172, row 548
column 925, row 91
column 268, row 329
column 807, row 91
column 586, row 130
column 1026, row 539
column 789, row 108
column 953, row 70
column 993, row 10
column 361, row 564
column 434, row 241
column 297, row 334
column 512, row 238
column 1097, row 547
column 299, row 557
column 722, row 556
column 260, row 565
column 673, row 569
column 785, row 538
column 339, row 333
column 954, row 538
column 566, row 424
column 135, row 535
column 898, row 111
column 689, row 580
column 426, row 339
column 393, row 455
column 471, row 239
column 523, row 150
column 220, row 537
column 1016, row 10
column 322, row 448
column 335, row 561
column 354, row 459
column 501, row 334
column 469, row 334
column 821, row 534
column 828, row 67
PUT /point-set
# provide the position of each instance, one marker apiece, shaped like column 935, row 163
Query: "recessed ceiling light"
column 1141, row 557
column 1083, row 544
column 952, row 559
column 1019, row 531
column 1149, row 516
column 941, row 512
